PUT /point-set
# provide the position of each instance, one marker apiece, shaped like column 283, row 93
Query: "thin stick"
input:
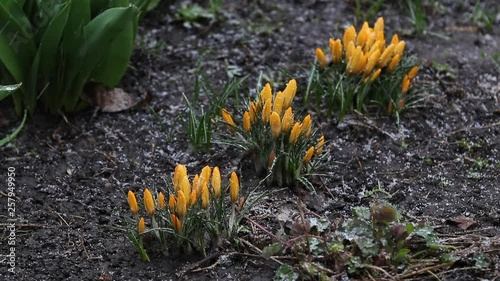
column 379, row 269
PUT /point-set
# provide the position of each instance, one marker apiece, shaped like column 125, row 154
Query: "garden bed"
column 442, row 161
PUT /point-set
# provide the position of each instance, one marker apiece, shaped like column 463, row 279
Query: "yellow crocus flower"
column 394, row 62
column 386, row 56
column 306, row 126
column 379, row 25
column 287, row 121
column 354, row 60
column 176, row 223
column 172, row 202
column 336, row 49
column 320, row 56
column 132, row 202
column 399, row 49
column 295, row 133
column 228, row 118
column 375, row 74
column 395, row 39
column 370, row 42
column 309, row 154
column 181, row 206
column 141, row 226
column 349, row 35
column 266, row 93
column 405, row 85
column 192, row 198
column 349, row 51
column 252, row 112
column 413, row 72
column 319, row 146
column 149, row 203
column 234, row 187
column 216, row 181
column 205, row 175
column 205, row 197
column 266, row 111
column 363, row 34
column 179, row 173
column 185, row 185
column 372, row 60
column 275, row 123
column 289, row 93
column 246, row 121
column 196, row 184
column 278, row 102
column 161, row 200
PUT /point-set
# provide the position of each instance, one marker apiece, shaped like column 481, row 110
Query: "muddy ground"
column 442, row 162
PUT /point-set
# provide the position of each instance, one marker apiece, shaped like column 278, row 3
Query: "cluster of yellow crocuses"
column 186, row 194
column 365, row 53
column 276, row 112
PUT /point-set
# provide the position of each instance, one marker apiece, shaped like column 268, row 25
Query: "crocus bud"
column 179, row 173
column 400, row 47
column 228, row 118
column 306, row 126
column 234, row 187
column 319, row 146
column 372, row 60
column 196, row 184
column 413, row 72
column 405, row 85
column 205, row 197
column 289, row 93
column 185, row 186
column 363, row 34
column 278, row 103
column 379, row 25
column 336, row 49
column 349, row 51
column 375, row 74
column 252, row 112
column 172, row 202
column 386, row 56
column 287, row 121
column 320, row 56
column 349, row 35
column 395, row 39
column 309, row 154
column 266, row 111
column 176, row 223
column 149, row 203
column 394, row 62
column 192, row 198
column 246, row 121
column 275, row 123
column 181, row 206
column 132, row 202
column 205, row 175
column 354, row 61
column 141, row 226
column 161, row 200
column 295, row 133
column 216, row 181
column 266, row 93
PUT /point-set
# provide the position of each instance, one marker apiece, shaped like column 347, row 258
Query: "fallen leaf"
column 108, row 99
column 462, row 222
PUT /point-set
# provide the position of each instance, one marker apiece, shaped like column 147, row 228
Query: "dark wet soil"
column 443, row 161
